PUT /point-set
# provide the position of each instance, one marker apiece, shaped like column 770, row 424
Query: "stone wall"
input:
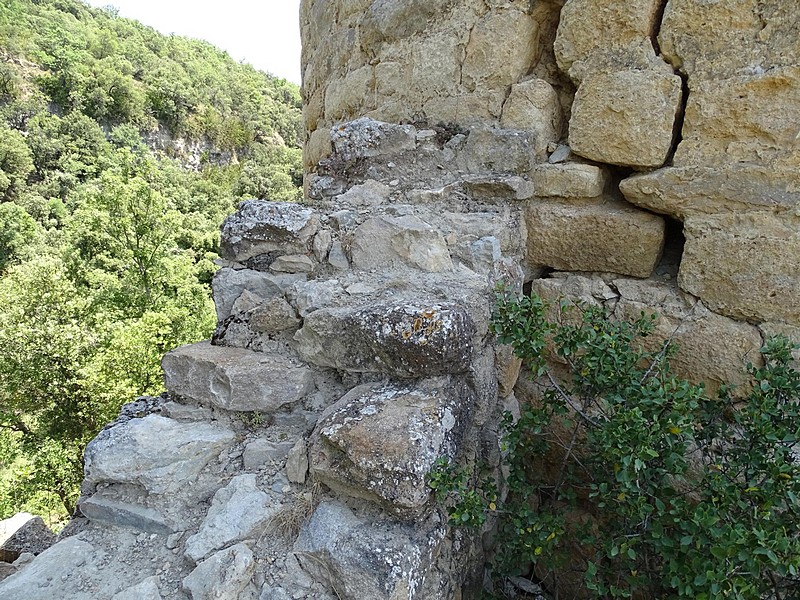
column 634, row 154
column 659, row 140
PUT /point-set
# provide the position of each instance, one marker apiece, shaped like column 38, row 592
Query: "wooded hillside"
column 121, row 151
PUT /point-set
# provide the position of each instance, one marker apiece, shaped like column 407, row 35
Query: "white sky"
column 264, row 33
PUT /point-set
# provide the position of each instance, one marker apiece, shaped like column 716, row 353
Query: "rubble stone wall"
column 637, row 154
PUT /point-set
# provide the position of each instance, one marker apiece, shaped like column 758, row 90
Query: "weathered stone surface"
column 229, row 284
column 470, row 108
column 261, row 452
column 379, row 561
column 712, row 350
column 297, row 462
column 508, row 367
column 380, row 440
column 147, row 589
column 502, row 47
column 160, row 454
column 587, row 289
column 238, row 511
column 716, row 40
column 344, row 96
column 273, row 316
column 534, row 105
column 744, row 265
column 292, row 263
column 245, row 303
column 234, row 378
column 690, row 191
column 579, row 289
column 402, row 339
column 384, row 241
column 40, row 579
column 570, row 180
column 611, row 237
column 511, row 187
column 258, row 227
column 318, row 147
column 369, row 193
column 366, row 137
column 222, row 576
column 25, row 532
column 395, row 19
column 309, row 296
column 561, row 153
column 6, row 570
column 125, row 514
column 484, row 254
column 749, row 118
column 337, row 257
column 591, row 27
column 625, row 117
column 492, row 150
column 322, row 245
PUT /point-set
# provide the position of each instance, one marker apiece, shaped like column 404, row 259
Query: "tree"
column 46, row 407
column 274, row 172
column 16, row 163
column 17, row 230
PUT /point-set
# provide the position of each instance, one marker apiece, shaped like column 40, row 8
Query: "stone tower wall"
column 661, row 139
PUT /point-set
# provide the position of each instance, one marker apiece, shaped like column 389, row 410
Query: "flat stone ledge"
column 235, row 378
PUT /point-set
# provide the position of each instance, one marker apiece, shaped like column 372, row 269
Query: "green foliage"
column 470, row 501
column 107, row 241
column 16, row 163
column 274, row 172
column 17, row 230
column 624, row 481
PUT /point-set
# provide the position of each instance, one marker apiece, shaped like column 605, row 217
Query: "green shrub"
column 624, row 481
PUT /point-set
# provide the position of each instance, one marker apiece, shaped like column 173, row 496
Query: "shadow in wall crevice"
column 674, row 241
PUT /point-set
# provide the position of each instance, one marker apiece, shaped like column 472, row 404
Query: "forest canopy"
column 121, row 151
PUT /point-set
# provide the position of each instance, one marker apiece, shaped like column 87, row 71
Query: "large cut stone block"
column 588, row 28
column 744, row 266
column 691, row 191
column 259, row 227
column 25, row 532
column 744, row 119
column 125, row 514
column 160, row 454
column 234, row 378
column 625, row 117
column 716, row 40
column 46, row 577
column 223, row 576
column 490, row 150
column 569, row 180
column 403, row 339
column 364, row 138
column 380, row 441
column 610, row 237
column 503, row 46
column 711, row 349
column 534, row 105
